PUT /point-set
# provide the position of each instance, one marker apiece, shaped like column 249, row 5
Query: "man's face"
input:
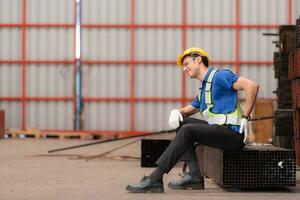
column 190, row 66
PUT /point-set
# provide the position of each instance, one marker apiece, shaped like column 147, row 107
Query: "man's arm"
column 251, row 89
column 188, row 110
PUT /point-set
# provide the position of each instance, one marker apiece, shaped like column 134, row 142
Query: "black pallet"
column 283, row 122
column 281, row 65
column 151, row 150
column 252, row 167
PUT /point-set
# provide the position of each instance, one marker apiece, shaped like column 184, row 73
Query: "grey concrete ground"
column 27, row 171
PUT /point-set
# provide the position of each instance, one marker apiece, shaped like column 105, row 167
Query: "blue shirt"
column 224, row 97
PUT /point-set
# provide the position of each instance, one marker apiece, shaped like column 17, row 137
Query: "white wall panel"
column 13, row 112
column 49, row 80
column 153, row 116
column 11, row 44
column 105, row 81
column 211, row 12
column 158, row 44
column 50, row 44
column 11, row 11
column 49, row 115
column 50, row 11
column 157, row 81
column 158, row 12
column 103, row 12
column 10, row 80
column 263, row 12
column 264, row 75
column 295, row 10
column 219, row 43
column 255, row 46
column 106, row 116
column 105, row 44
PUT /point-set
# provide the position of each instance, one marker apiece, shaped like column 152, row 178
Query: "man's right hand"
column 174, row 118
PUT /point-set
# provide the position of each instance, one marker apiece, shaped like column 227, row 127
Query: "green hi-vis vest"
column 233, row 118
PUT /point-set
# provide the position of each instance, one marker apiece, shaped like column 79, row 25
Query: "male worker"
column 225, row 126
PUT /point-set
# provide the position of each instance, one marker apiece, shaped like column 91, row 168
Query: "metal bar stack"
column 251, row 167
column 284, row 114
column 294, row 77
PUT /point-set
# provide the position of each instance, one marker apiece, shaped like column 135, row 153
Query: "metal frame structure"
column 132, row 62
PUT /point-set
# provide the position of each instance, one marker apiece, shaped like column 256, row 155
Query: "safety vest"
column 233, row 118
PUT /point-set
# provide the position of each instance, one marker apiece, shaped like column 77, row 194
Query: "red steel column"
column 237, row 37
column 24, row 65
column 289, row 11
column 184, row 27
column 132, row 65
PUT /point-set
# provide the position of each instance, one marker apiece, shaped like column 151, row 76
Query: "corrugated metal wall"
column 121, row 48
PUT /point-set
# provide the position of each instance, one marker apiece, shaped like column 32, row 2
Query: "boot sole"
column 151, row 190
column 187, row 187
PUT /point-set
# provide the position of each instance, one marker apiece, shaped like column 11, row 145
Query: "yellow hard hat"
column 189, row 51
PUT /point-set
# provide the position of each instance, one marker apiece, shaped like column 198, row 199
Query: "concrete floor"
column 27, row 171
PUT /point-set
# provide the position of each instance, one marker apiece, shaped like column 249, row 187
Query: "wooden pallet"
column 27, row 133
column 36, row 133
column 67, row 135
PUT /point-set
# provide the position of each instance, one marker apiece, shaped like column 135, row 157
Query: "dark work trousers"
column 198, row 131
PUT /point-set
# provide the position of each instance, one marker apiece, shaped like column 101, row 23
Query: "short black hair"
column 204, row 58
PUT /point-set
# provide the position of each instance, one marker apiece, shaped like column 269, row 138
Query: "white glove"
column 244, row 128
column 175, row 117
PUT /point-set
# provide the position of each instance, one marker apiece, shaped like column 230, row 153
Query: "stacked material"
column 252, row 167
column 283, row 130
column 294, row 77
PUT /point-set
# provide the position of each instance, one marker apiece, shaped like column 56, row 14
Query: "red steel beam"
column 89, row 26
column 97, row 99
column 289, row 11
column 136, row 62
column 237, row 37
column 184, row 28
column 132, row 65
column 24, row 65
column 107, row 99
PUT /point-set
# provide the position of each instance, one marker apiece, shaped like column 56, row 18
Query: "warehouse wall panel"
column 50, row 44
column 52, row 11
column 11, row 43
column 105, row 81
column 105, row 44
column 219, row 43
column 157, row 81
column 211, row 12
column 263, row 12
column 10, row 80
column 264, row 75
column 106, row 116
column 158, row 12
column 255, row 46
column 13, row 111
column 103, row 12
column 50, row 115
column 153, row 116
column 11, row 11
column 50, row 80
column 157, row 44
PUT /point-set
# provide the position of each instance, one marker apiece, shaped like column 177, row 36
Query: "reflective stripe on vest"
column 233, row 118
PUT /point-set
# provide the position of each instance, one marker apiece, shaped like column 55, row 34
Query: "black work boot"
column 187, row 182
column 146, row 185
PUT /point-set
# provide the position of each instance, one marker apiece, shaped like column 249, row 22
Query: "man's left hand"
column 244, row 128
